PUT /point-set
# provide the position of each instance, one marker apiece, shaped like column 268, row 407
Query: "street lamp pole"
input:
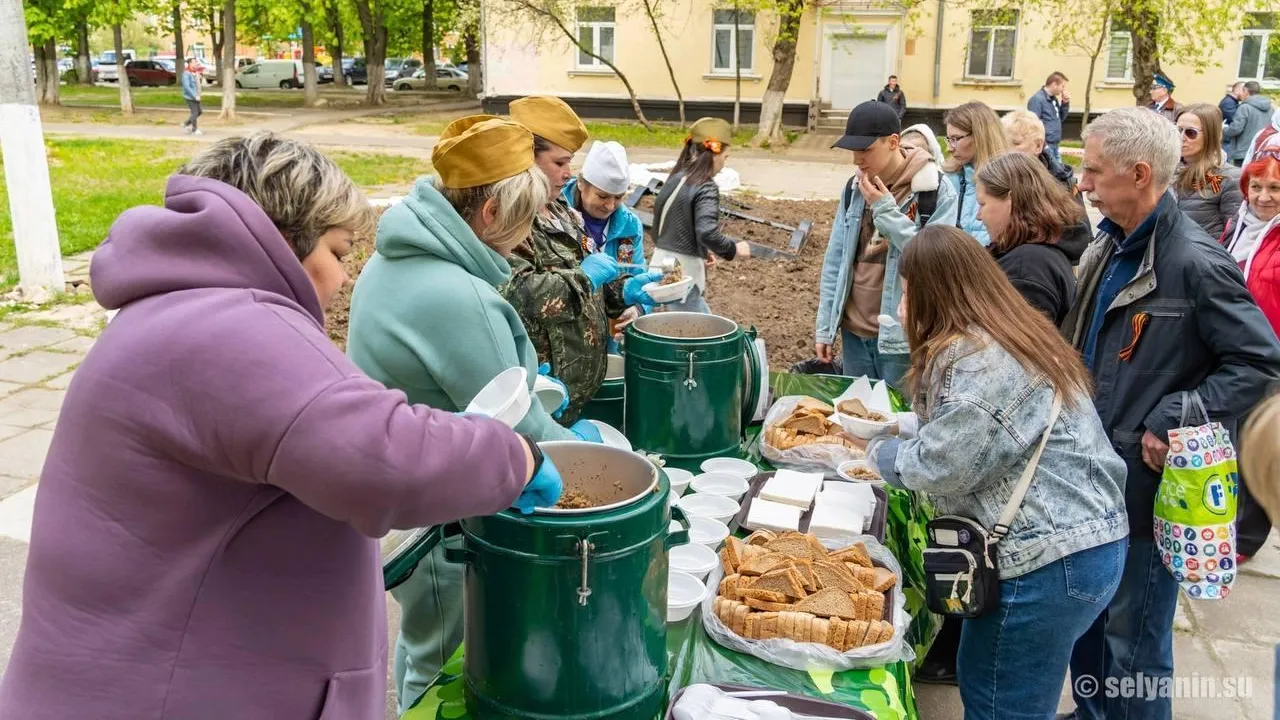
column 26, row 168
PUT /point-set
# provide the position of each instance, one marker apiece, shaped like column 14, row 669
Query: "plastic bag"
column 815, row 656
column 1195, row 508
column 814, row 457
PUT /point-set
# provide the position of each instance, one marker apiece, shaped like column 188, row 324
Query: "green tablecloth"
column 693, row 657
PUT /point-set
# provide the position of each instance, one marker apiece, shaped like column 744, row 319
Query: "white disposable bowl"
column 716, row 507
column 504, row 398
column 705, row 531
column 680, row 480
column 865, row 429
column 612, row 436
column 730, row 486
column 697, row 560
column 549, row 393
column 730, row 466
column 684, row 593
column 615, row 367
column 845, row 467
column 675, row 292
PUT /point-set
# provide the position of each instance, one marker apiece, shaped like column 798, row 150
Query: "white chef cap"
column 606, row 167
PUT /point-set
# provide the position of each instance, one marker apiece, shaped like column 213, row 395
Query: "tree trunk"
column 179, row 58
column 42, row 70
column 1143, row 27
column 784, row 63
column 475, row 70
column 428, row 43
column 1093, row 64
column 737, row 73
column 335, row 26
column 373, row 21
column 217, row 36
column 122, row 78
column 84, row 66
column 662, row 47
column 310, row 81
column 228, row 72
column 53, row 78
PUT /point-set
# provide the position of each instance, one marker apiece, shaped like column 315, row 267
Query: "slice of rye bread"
column 760, row 537
column 801, row 631
column 804, row 568
column 857, row 631
column 814, row 405
column 749, row 629
column 761, row 564
column 769, row 626
column 772, row 596
column 886, row 633
column 783, row 580
column 785, row 619
column 731, row 555
column 793, row 545
column 767, row 606
column 820, row 630
column 834, row 575
column 808, row 424
column 758, row 623
column 835, row 638
column 728, row 587
column 829, row 603
column 855, row 553
column 885, row 579
column 875, row 604
column 740, row 619
column 815, row 546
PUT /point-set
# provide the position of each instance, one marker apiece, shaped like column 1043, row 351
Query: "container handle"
column 457, row 552
column 679, row 537
column 689, row 382
column 584, row 548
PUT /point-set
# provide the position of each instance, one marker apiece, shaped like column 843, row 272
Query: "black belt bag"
column 962, row 577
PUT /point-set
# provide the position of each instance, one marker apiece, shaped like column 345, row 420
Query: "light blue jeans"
column 861, row 356
column 1013, row 660
column 1134, row 635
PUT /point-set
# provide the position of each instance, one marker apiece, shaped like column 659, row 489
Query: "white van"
column 283, row 74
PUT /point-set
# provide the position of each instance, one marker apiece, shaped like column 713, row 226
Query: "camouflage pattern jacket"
column 567, row 322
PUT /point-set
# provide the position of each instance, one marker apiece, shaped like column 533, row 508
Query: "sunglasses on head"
column 1190, row 133
column 1272, row 153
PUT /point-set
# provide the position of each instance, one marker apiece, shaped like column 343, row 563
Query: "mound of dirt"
column 778, row 297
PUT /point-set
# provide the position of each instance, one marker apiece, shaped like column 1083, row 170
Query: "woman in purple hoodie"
column 203, row 543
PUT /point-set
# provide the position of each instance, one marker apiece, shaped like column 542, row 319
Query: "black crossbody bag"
column 962, row 577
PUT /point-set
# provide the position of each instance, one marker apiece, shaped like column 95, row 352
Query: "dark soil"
column 778, row 297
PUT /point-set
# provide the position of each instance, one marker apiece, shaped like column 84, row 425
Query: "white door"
column 856, row 70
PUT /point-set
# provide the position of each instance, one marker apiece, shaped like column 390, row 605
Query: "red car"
column 149, row 72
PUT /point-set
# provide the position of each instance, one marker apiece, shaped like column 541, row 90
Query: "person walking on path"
column 985, row 364
column 1050, row 105
column 894, row 193
column 1162, row 100
column 974, row 135
column 204, row 543
column 893, row 96
column 1252, row 117
column 1208, row 188
column 191, row 95
column 1161, row 311
column 687, row 211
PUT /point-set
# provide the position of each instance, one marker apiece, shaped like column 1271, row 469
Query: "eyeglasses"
column 1190, row 133
column 955, row 139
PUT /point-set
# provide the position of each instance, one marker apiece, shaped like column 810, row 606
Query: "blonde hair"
column 1020, row 125
column 983, row 125
column 518, row 200
column 302, row 191
column 1260, row 455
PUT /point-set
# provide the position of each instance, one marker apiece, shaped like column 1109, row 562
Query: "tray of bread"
column 788, row 586
column 799, row 432
column 788, row 500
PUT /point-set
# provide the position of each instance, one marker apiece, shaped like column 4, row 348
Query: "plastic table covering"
column 693, row 657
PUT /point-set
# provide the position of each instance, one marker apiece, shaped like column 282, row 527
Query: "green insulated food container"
column 566, row 609
column 608, row 405
column 685, row 386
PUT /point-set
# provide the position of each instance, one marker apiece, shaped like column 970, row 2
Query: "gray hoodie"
column 1251, row 118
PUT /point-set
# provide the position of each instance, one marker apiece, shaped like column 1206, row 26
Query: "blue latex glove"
column 545, row 371
column 543, row 490
column 587, row 430
column 601, row 269
column 633, row 290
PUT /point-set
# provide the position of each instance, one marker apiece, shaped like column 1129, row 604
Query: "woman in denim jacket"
column 984, row 369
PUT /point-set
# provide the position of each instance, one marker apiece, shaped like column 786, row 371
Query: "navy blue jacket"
column 1051, row 113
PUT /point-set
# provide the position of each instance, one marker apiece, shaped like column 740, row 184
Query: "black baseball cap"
column 869, row 122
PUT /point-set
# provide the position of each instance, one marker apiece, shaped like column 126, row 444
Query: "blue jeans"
column 861, row 356
column 693, row 302
column 1013, row 660
column 1134, row 635
column 1053, row 150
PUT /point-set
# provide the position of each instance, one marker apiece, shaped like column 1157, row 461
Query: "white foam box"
column 773, row 516
column 835, row 519
column 792, row 488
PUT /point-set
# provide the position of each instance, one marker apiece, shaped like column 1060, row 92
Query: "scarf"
column 1246, row 236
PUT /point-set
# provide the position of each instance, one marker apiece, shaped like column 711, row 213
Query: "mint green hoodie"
column 426, row 317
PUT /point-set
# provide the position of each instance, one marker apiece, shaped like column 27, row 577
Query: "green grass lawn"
column 628, row 132
column 96, row 180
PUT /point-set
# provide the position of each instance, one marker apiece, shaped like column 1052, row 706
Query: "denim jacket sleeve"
column 1230, row 322
column 898, row 229
column 830, row 276
column 961, row 448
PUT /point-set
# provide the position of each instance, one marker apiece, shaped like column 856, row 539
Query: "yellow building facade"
column 943, row 55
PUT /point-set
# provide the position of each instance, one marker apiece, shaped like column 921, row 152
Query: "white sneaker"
column 197, row 132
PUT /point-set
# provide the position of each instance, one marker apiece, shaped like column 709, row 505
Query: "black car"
column 397, row 68
column 356, row 71
column 324, row 73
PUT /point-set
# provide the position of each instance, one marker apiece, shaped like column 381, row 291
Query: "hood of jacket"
column 1262, row 103
column 623, row 223
column 1059, row 170
column 207, row 235
column 1075, row 240
column 424, row 224
column 935, row 148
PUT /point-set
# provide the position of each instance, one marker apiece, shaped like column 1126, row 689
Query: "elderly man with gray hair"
column 1162, row 311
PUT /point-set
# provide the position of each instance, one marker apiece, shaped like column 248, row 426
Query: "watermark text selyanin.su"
column 1146, row 687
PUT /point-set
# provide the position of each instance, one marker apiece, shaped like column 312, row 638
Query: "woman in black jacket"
column 686, row 215
column 1038, row 231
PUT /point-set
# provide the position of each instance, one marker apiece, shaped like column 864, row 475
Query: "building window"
column 993, row 36
column 595, row 32
column 1120, row 53
column 1260, row 48
column 197, row 50
column 725, row 58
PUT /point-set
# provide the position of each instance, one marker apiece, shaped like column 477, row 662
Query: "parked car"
column 447, row 78
column 208, row 71
column 324, row 73
column 400, row 69
column 108, row 70
column 149, row 72
column 355, row 70
column 65, row 65
column 284, row 74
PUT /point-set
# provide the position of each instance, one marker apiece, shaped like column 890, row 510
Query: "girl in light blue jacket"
column 974, row 136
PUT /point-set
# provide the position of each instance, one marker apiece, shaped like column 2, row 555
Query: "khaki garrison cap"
column 481, row 150
column 551, row 118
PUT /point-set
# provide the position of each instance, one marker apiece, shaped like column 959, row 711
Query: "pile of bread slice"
column 807, row 424
column 789, row 586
